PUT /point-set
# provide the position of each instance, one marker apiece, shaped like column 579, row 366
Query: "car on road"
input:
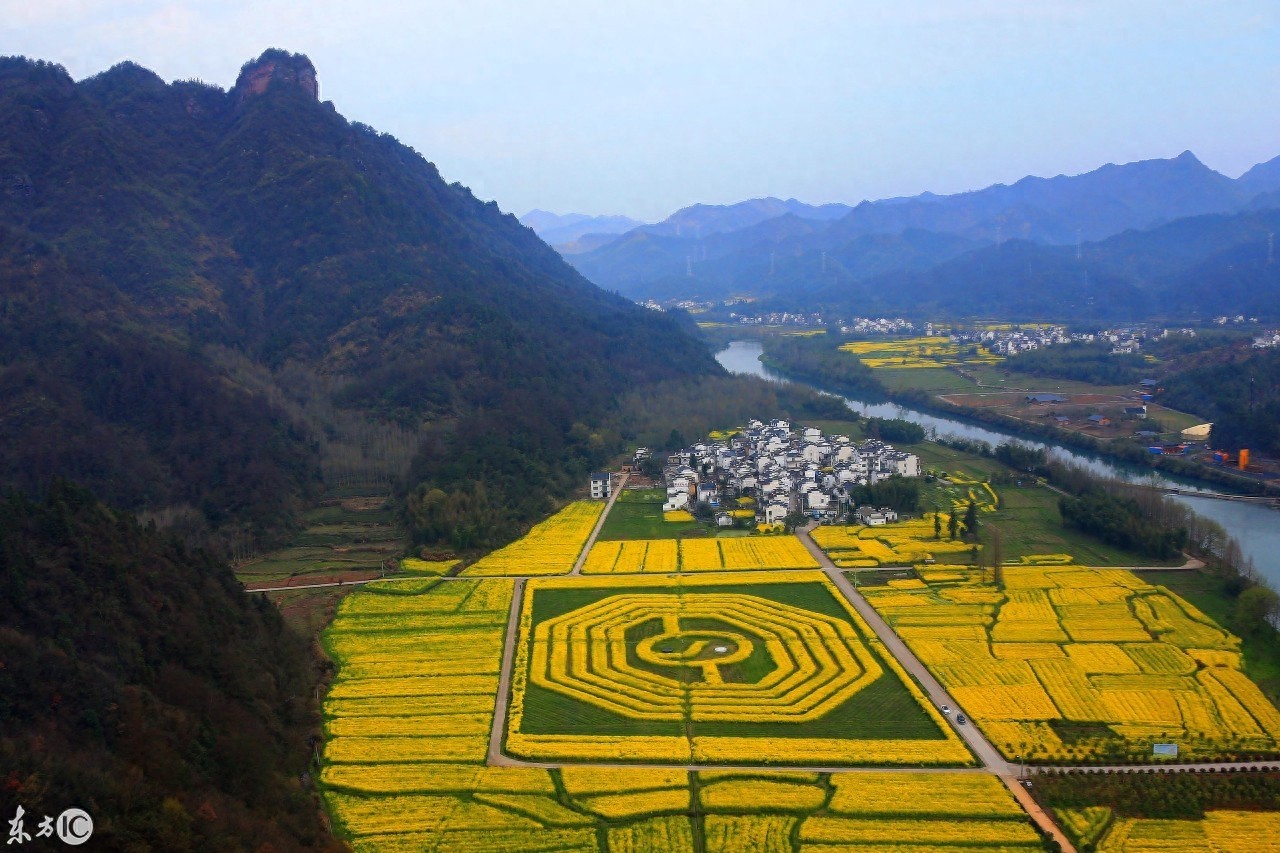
column 946, row 709
column 960, row 719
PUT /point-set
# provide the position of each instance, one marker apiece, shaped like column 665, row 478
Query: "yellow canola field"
column 924, row 352
column 550, row 548
column 1219, row 830
column 668, row 556
column 1132, row 662
column 415, row 566
column 899, row 544
column 408, row 719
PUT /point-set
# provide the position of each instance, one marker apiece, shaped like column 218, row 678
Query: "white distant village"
column 786, row 471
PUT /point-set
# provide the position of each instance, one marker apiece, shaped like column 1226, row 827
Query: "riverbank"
column 1128, row 454
column 1253, row 527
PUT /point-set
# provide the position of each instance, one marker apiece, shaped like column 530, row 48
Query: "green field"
column 881, row 710
column 638, row 518
column 335, row 539
column 1028, row 520
column 936, row 379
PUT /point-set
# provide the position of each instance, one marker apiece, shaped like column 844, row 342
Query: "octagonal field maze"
column 706, row 669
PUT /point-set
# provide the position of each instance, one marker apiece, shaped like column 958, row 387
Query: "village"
column 787, row 472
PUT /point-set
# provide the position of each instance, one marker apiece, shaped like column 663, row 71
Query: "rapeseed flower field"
column 1069, row 664
column 550, row 548
column 409, row 721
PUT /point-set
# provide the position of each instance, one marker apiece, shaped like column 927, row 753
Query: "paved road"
column 591, row 540
column 981, row 747
column 991, row 760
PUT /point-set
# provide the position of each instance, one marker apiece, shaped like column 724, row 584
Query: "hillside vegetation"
column 138, row 682
column 209, row 295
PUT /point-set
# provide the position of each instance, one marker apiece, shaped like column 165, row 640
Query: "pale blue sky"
column 643, row 107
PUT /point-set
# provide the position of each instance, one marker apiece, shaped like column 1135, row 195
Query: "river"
column 1256, row 528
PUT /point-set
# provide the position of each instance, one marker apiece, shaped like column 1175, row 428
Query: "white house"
column 600, row 486
column 776, row 512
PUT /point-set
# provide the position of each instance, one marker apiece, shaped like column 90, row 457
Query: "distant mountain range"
column 790, row 252
column 557, row 229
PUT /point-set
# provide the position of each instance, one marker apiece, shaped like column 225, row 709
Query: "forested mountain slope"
column 156, row 235
column 138, row 682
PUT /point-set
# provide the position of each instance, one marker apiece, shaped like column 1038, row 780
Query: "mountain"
column 1262, row 178
column 700, row 220
column 1195, row 267
column 782, row 255
column 210, row 295
column 562, row 229
column 1062, row 210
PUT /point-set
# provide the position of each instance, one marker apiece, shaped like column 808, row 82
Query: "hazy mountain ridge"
column 1197, row 267
column 560, row 229
column 1061, row 210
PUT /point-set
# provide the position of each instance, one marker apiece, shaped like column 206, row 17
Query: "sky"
column 641, row 108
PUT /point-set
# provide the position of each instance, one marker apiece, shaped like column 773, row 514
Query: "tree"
column 952, row 524
column 995, row 554
column 793, row 520
column 937, row 524
column 1256, row 610
column 971, row 519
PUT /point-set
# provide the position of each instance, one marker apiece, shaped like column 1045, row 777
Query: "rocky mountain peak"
column 275, row 65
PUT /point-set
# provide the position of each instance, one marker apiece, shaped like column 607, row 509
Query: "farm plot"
column 408, row 716
column 902, row 544
column 550, row 548
column 1068, row 664
column 917, row 353
column 701, row 668
column 666, row 556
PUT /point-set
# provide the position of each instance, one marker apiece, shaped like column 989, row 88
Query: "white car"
column 946, row 709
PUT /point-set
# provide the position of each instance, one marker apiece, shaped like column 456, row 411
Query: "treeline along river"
column 1255, row 527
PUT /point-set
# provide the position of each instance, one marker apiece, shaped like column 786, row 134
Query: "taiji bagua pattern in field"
column 817, row 662
column 706, row 668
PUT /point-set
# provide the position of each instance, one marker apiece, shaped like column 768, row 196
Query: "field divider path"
column 595, row 531
column 502, row 699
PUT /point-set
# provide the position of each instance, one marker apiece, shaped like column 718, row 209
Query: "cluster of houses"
column 1267, row 340
column 1123, row 340
column 785, row 471
column 779, row 318
column 881, row 326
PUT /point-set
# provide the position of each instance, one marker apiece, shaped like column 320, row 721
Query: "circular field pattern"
column 702, row 657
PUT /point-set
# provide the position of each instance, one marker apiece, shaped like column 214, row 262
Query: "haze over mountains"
column 799, row 256
column 559, row 229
